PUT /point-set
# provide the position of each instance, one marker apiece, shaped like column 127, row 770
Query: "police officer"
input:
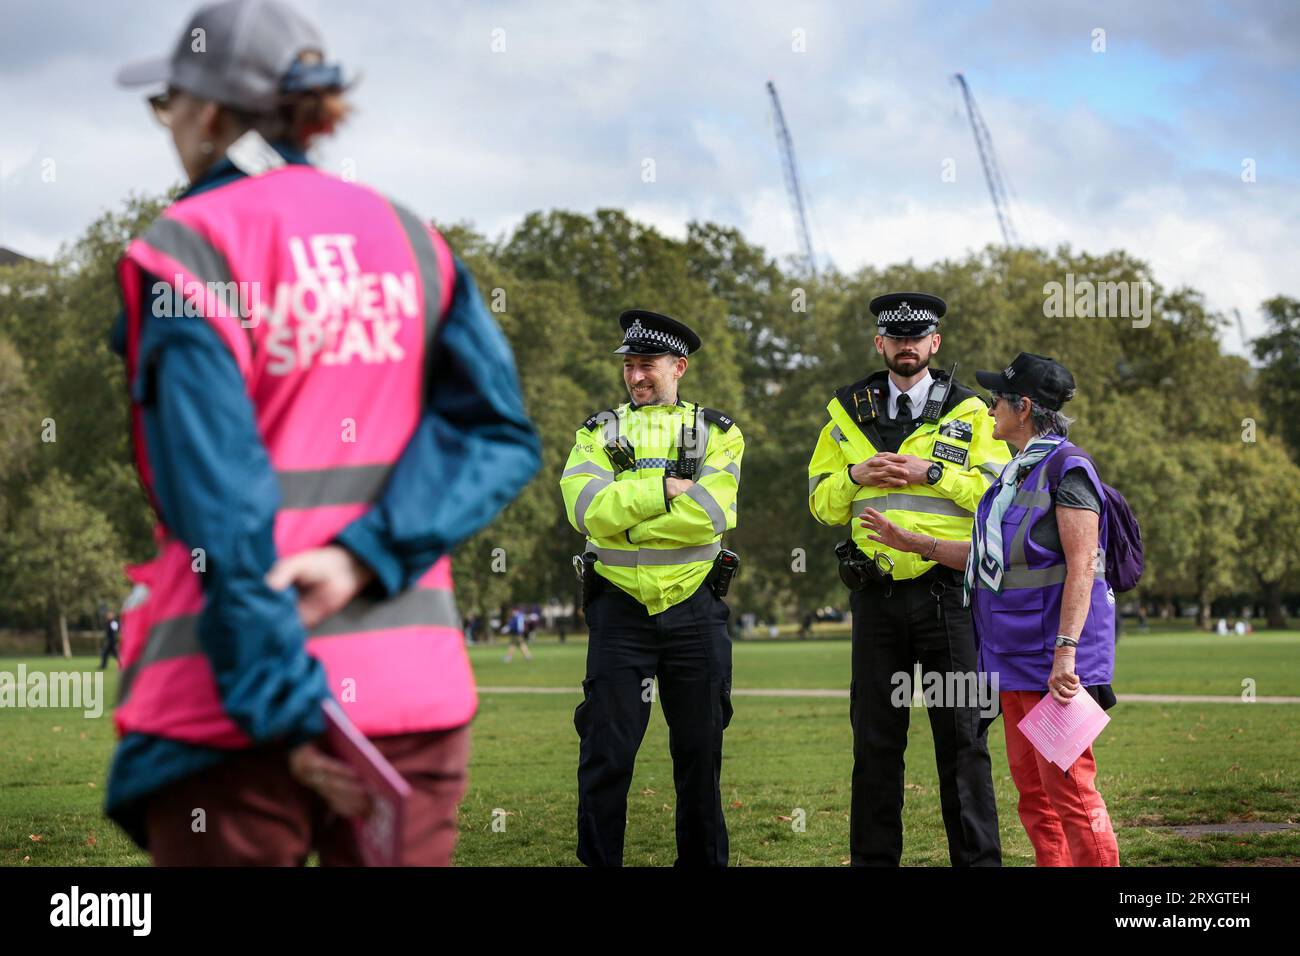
column 918, row 445
column 652, row 484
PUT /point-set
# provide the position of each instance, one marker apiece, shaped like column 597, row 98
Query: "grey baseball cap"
column 238, row 53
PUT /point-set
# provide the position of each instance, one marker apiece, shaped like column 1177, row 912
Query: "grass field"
column 1160, row 764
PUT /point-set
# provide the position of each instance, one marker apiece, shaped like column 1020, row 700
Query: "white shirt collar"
column 917, row 394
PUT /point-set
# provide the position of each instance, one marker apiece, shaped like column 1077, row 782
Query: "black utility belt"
column 726, row 564
column 926, row 578
column 859, row 570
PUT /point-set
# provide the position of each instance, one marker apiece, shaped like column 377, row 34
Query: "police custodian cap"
column 907, row 315
column 649, row 333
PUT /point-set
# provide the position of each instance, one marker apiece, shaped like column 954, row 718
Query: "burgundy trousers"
column 256, row 814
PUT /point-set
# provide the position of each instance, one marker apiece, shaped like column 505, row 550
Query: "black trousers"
column 894, row 627
column 110, row 647
column 687, row 647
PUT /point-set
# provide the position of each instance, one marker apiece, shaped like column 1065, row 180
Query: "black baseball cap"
column 650, row 333
column 1043, row 379
column 907, row 315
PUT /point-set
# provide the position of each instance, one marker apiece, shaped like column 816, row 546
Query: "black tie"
column 904, row 416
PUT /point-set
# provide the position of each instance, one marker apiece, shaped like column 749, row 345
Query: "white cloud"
column 586, row 91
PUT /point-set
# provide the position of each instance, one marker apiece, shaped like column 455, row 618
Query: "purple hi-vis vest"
column 1016, row 629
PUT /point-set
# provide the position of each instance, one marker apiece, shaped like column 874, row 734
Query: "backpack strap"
column 1056, row 461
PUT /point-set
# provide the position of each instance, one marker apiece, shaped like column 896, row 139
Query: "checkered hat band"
column 906, row 315
column 639, row 335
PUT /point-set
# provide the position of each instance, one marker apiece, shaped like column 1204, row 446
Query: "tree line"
column 1203, row 444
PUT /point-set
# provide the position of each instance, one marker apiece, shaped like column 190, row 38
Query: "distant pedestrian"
column 111, row 627
column 517, row 627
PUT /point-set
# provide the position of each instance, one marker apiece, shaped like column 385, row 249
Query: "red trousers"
column 1063, row 814
column 256, row 814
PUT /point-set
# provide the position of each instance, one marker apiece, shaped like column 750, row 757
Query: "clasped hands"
column 887, row 469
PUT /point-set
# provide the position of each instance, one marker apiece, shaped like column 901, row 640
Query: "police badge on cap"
column 907, row 315
column 649, row 333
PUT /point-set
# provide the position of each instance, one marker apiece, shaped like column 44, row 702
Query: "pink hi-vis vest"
column 329, row 298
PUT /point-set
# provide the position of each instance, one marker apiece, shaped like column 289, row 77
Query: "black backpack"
column 1124, row 558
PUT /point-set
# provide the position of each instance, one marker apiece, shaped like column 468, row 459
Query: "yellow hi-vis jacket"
column 962, row 441
column 658, row 551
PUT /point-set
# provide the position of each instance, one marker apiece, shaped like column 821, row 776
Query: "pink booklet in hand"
column 1060, row 732
column 379, row 835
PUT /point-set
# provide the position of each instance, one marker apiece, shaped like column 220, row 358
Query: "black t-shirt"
column 1074, row 491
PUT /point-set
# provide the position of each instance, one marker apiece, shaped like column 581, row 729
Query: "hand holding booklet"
column 1061, row 732
column 380, row 833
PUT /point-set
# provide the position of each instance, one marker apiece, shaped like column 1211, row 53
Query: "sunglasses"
column 1002, row 398
column 163, row 105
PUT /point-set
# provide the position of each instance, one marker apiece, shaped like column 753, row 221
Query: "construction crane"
column 786, row 145
column 1241, row 327
column 989, row 159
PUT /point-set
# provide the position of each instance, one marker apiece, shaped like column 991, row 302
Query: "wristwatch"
column 1063, row 641
column 934, row 474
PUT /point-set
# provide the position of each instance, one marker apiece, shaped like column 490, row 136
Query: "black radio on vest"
column 621, row 454
column 688, row 454
column 933, row 409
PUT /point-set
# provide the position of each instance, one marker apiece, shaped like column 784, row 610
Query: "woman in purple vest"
column 1044, row 614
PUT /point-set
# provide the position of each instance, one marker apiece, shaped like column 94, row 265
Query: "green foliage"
column 1279, row 380
column 1161, row 408
column 64, row 556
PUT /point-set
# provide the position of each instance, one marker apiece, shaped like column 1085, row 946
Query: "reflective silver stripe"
column 710, row 470
column 175, row 637
column 657, row 557
column 587, row 468
column 816, row 480
column 426, row 260
column 921, row 504
column 992, row 469
column 418, row 607
column 1022, row 578
column 1032, row 499
column 588, row 492
column 411, row 608
column 204, row 261
column 319, row 487
column 700, row 495
column 1016, row 558
column 836, row 433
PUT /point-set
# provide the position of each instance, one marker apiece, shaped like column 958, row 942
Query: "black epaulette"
column 845, row 392
column 717, row 418
column 594, row 420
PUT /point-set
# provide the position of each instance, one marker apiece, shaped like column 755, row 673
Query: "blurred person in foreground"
column 313, row 378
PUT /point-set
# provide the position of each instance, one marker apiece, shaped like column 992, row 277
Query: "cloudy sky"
column 1140, row 146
